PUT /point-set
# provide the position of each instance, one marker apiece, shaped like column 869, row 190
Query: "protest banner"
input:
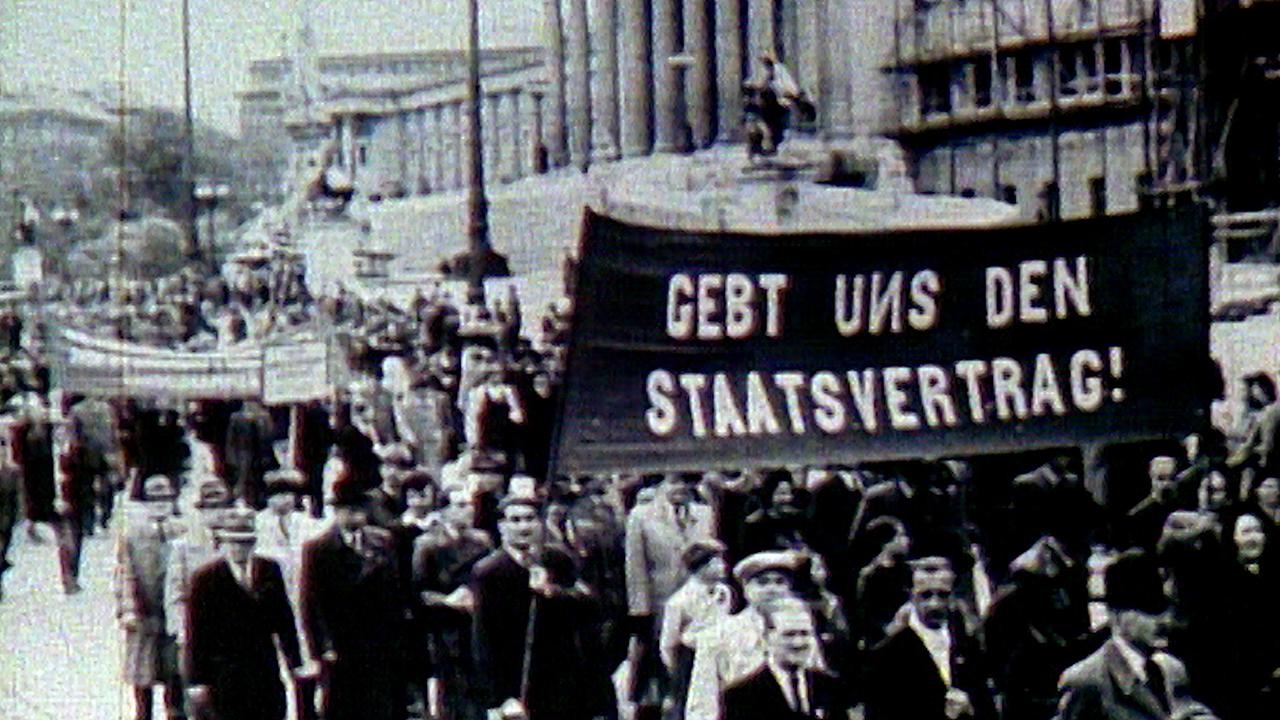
column 697, row 350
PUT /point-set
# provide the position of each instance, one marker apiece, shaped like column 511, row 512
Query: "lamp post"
column 189, row 141
column 207, row 196
column 477, row 202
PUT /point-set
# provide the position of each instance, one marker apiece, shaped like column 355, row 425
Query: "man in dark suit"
column 248, row 454
column 530, row 638
column 239, row 608
column 786, row 686
column 928, row 667
column 1131, row 677
column 353, row 612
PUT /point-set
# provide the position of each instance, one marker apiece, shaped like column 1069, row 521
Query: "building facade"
column 1242, row 76
column 1067, row 108
column 614, row 79
column 280, row 87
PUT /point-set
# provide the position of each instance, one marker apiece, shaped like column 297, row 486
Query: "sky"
column 76, row 43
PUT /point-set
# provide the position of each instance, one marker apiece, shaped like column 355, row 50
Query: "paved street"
column 59, row 655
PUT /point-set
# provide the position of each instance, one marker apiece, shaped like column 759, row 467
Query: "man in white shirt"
column 928, row 666
column 787, row 686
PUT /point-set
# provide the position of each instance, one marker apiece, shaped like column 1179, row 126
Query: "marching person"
column 928, row 666
column 353, row 611
column 529, row 642
column 656, row 535
column 728, row 651
column 196, row 546
column 142, row 562
column 239, row 609
column 703, row 600
column 1131, row 676
column 444, row 556
column 10, row 493
column 73, row 504
column 787, row 686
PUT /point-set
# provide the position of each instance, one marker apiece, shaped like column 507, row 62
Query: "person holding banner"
column 530, row 637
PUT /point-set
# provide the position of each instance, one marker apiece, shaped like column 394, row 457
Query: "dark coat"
column 353, row 604
column 230, row 646
column 759, row 697
column 1104, row 687
column 902, row 683
column 34, row 444
column 249, row 454
column 563, row 680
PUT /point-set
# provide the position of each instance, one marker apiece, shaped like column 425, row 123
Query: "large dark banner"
column 698, row 350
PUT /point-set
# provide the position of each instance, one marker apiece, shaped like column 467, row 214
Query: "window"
column 1068, row 74
column 1089, row 80
column 1024, row 78
column 1115, row 61
column 1009, row 194
column 362, row 153
column 935, row 90
column 1050, row 203
column 982, row 84
column 1098, row 196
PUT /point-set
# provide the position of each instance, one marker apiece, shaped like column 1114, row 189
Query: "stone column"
column 491, row 134
column 517, row 139
column 557, row 147
column 729, row 70
column 457, row 145
column 699, row 95
column 762, row 34
column 604, row 40
column 437, row 148
column 579, row 90
column 637, row 78
column 536, row 146
column 349, row 145
column 666, row 86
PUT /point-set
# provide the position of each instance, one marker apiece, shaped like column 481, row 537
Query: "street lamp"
column 207, row 196
column 477, row 202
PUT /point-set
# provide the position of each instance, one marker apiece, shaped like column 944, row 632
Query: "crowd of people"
column 404, row 550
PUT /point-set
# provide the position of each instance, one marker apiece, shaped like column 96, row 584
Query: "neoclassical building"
column 614, row 79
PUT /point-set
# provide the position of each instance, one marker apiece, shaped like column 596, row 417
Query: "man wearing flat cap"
column 195, row 547
column 239, row 610
column 142, row 560
column 354, row 609
column 729, row 650
column 1131, row 676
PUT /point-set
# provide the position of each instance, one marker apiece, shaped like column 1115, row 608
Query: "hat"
column 158, row 488
column 699, row 553
column 348, row 493
column 1133, row 582
column 237, row 526
column 212, row 492
column 282, row 481
column 751, row 566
